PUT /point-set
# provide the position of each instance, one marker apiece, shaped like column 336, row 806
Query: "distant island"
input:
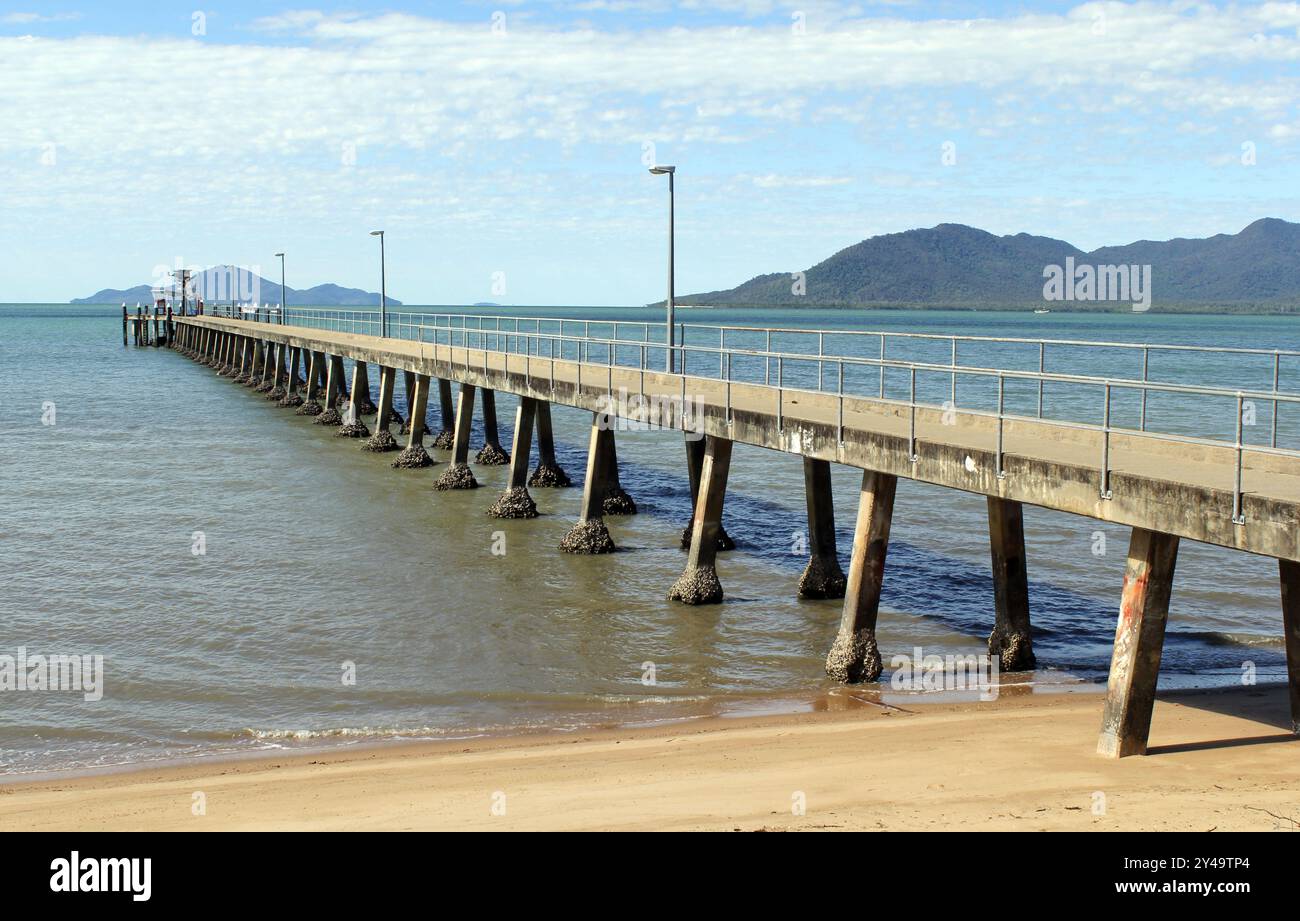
column 955, row 266
column 216, row 284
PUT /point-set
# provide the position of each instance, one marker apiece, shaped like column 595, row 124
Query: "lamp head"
column 376, row 233
column 280, row 255
column 663, row 170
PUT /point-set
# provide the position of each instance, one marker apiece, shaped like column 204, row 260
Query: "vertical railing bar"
column 1105, row 447
column 1238, row 515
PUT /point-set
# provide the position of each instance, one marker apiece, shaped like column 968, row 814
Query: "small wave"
column 1220, row 638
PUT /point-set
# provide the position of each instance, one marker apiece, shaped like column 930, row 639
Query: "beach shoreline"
column 1024, row 761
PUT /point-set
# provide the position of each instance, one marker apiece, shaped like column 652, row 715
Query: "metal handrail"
column 497, row 339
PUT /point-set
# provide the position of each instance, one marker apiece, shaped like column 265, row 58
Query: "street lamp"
column 284, row 301
column 669, row 171
column 383, row 285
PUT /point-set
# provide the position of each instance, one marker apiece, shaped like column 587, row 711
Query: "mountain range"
column 215, row 285
column 953, row 265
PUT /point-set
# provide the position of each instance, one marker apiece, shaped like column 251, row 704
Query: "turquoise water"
column 318, row 555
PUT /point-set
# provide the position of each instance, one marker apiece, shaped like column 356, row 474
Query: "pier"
column 980, row 428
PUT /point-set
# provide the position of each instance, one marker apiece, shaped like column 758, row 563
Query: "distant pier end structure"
column 1225, row 473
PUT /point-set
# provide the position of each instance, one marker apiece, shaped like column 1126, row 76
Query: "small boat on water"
column 1042, row 310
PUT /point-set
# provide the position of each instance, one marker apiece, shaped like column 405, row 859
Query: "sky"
column 502, row 146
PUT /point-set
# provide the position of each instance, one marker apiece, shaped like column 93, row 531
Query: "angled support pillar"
column 1010, row 640
column 822, row 578
column 277, row 373
column 616, row 501
column 548, row 472
column 335, row 380
column 446, row 437
column 458, row 475
column 354, row 427
column 414, row 456
column 315, row 372
column 408, row 387
column 854, row 656
column 694, row 465
column 291, row 395
column 590, row 535
column 1139, row 642
column 699, row 583
column 515, row 502
column 491, row 454
column 383, row 439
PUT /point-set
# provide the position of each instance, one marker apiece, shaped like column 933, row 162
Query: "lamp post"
column 284, row 301
column 383, row 285
column 669, row 171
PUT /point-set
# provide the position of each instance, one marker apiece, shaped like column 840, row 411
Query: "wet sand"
column 1219, row 760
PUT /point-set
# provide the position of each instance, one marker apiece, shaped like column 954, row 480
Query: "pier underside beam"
column 854, row 656
column 1290, row 573
column 548, row 471
column 383, row 440
column 590, row 535
column 515, row 502
column 1139, row 641
column 823, row 577
column 699, row 583
column 1010, row 640
column 458, row 475
column 491, row 454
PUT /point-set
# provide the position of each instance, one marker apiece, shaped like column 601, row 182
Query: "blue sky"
column 507, row 141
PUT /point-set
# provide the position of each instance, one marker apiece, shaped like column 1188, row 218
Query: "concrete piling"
column 277, row 391
column 694, row 465
column 1289, row 572
column 616, row 501
column 355, row 428
column 491, row 454
column 315, row 372
column 446, row 437
column 335, row 376
column 408, row 387
column 516, row 502
column 699, row 584
column 458, row 475
column 548, row 472
column 291, row 396
column 822, row 577
column 590, row 535
column 854, row 656
column 1010, row 640
column 382, row 440
column 359, row 400
column 414, row 456
column 1139, row 642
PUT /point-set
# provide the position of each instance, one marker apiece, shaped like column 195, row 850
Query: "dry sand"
column 1222, row 760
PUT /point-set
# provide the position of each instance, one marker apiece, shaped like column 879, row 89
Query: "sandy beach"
column 1221, row 760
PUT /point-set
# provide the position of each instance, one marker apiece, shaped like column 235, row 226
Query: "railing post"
column 1002, row 406
column 1277, row 363
column 1042, row 367
column 1237, row 513
column 911, row 433
column 1105, row 447
column 1146, row 357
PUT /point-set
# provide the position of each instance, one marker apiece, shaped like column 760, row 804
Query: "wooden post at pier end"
column 699, row 583
column 491, row 454
column 516, row 502
column 590, row 535
column 124, row 324
column 694, row 465
column 1010, row 640
column 458, row 474
column 854, row 656
column 1289, row 571
column 1139, row 641
column 548, row 471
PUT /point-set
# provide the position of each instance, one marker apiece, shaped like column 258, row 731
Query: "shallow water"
column 318, row 555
